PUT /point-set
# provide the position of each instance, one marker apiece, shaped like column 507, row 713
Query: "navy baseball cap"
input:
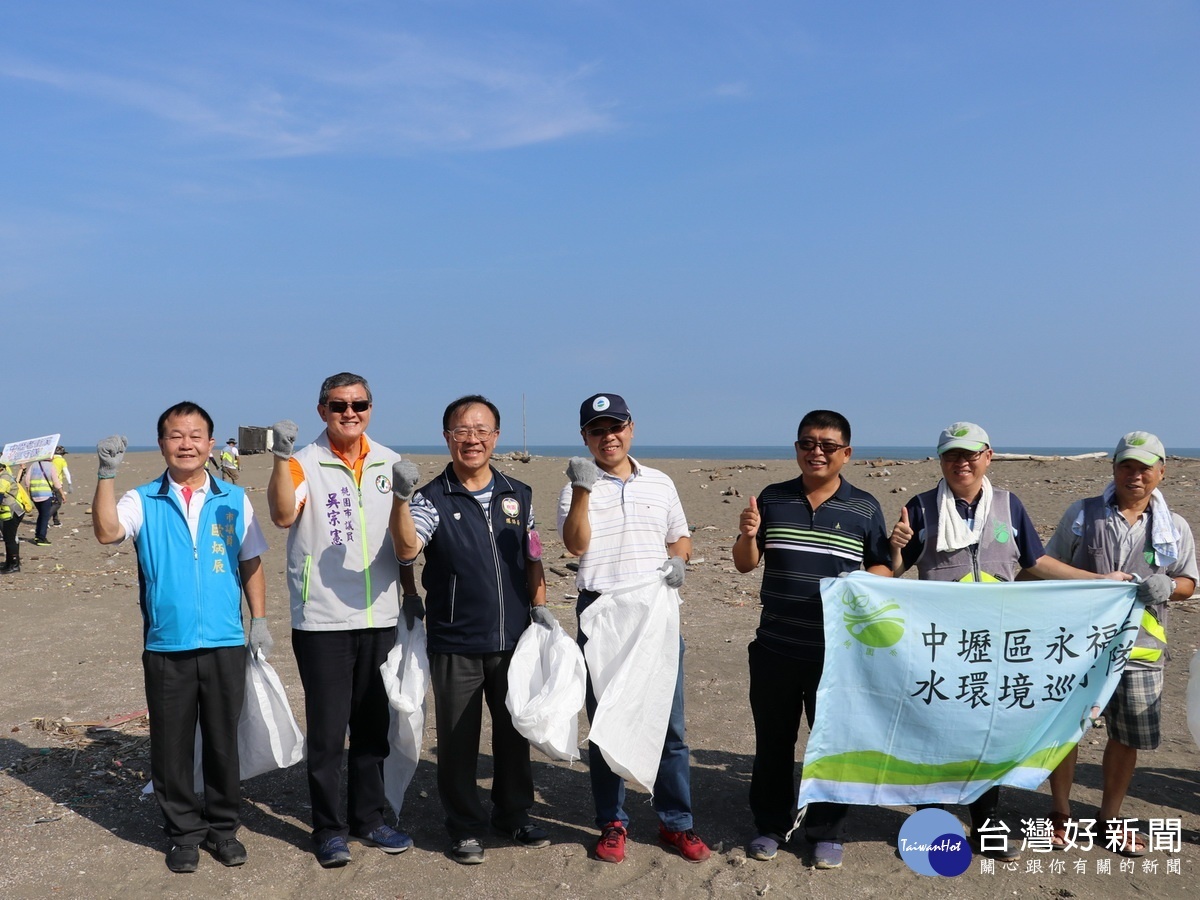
column 603, row 406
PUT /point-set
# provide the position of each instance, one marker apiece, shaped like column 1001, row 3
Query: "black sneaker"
column 229, row 852
column 41, row 542
column 468, row 851
column 183, row 858
column 10, row 569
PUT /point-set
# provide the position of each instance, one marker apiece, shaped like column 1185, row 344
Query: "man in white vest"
column 334, row 496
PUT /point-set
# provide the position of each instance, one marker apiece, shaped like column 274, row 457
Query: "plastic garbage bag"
column 268, row 736
column 1193, row 698
column 406, row 679
column 547, row 684
column 632, row 654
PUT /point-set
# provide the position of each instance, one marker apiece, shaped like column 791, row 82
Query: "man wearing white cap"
column 966, row 530
column 1128, row 527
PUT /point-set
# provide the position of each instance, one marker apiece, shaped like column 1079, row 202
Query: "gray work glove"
column 283, row 438
column 260, row 642
column 1155, row 589
column 111, row 451
column 540, row 615
column 674, row 567
column 413, row 609
column 582, row 472
column 405, row 476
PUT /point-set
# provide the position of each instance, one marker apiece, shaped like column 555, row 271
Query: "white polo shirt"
column 632, row 523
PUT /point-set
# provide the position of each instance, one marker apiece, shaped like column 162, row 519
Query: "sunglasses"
column 340, row 406
column 808, row 445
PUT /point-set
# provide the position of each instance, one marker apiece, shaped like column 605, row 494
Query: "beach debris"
column 1033, row 457
column 899, row 490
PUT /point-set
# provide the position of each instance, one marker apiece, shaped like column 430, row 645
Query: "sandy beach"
column 73, row 823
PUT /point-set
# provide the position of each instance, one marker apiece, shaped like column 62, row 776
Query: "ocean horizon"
column 723, row 451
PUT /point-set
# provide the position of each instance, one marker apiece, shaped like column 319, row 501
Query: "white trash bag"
column 1193, row 698
column 268, row 736
column 547, row 685
column 406, row 679
column 632, row 653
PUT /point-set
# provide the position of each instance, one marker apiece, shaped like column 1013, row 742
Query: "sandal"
column 1058, row 830
column 1131, row 847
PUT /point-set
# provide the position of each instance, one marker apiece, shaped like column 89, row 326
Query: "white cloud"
column 350, row 92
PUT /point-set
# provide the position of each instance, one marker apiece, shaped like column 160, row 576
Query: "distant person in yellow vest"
column 1128, row 527
column 966, row 530
column 12, row 511
column 229, row 461
column 64, row 477
column 41, row 480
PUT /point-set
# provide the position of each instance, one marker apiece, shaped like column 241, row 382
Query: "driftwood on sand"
column 1099, row 454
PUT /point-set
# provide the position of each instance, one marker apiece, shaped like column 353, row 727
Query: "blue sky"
column 728, row 212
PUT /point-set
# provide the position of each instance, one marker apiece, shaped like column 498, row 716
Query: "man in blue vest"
column 1129, row 528
column 198, row 550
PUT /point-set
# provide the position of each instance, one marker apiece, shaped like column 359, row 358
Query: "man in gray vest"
column 965, row 530
column 1129, row 527
column 334, row 497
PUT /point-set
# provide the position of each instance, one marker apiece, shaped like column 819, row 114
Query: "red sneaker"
column 611, row 846
column 690, row 847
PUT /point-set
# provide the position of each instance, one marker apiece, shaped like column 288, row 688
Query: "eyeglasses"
column 340, row 406
column 808, row 445
column 462, row 435
column 961, row 456
column 605, row 430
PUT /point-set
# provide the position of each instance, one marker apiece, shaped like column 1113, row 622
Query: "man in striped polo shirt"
column 623, row 520
column 812, row 527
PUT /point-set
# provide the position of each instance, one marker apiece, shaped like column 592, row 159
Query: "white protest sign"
column 29, row 450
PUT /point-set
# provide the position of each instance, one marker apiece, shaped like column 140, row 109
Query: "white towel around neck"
column 953, row 533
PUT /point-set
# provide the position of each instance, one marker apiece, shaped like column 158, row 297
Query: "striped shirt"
column 632, row 523
column 426, row 519
column 801, row 546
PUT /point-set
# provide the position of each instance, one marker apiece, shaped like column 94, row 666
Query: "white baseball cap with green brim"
column 963, row 436
column 1142, row 446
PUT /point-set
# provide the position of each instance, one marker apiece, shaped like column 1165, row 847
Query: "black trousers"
column 12, row 547
column 461, row 682
column 204, row 687
column 343, row 688
column 781, row 689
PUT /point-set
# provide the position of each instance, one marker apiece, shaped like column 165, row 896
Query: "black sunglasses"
column 340, row 406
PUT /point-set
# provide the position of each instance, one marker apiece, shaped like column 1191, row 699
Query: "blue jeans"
column 45, row 509
column 672, row 785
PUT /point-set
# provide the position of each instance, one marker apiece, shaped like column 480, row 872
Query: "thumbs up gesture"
column 750, row 519
column 902, row 533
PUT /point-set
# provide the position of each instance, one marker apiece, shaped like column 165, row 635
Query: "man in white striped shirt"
column 623, row 520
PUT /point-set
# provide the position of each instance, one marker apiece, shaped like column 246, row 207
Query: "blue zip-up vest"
column 190, row 594
column 476, row 595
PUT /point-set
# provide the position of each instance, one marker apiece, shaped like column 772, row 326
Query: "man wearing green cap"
column 966, row 530
column 1128, row 527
